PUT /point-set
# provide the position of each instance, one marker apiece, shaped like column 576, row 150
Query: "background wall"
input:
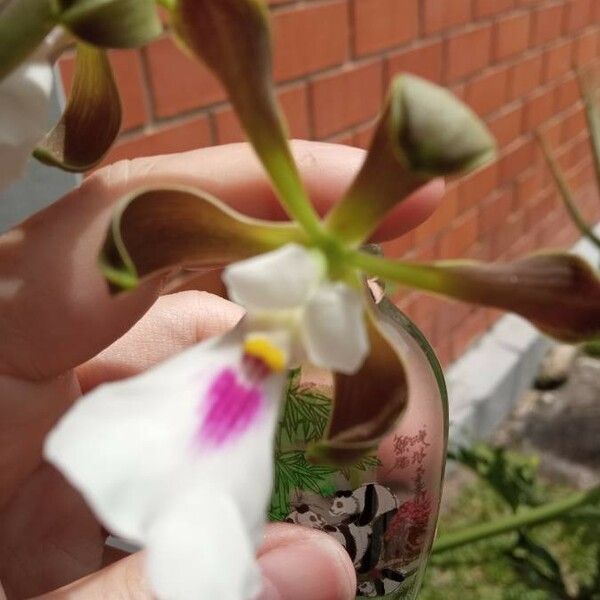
column 511, row 60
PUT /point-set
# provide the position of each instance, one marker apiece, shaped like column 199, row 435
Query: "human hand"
column 62, row 335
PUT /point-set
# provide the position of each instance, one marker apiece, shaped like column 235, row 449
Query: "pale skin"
column 62, row 334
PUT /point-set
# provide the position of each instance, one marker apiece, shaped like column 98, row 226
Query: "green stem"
column 526, row 518
column 424, row 277
column 168, row 4
column 567, row 196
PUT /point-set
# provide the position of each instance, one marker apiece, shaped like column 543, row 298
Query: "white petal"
column 132, row 447
column 24, row 107
column 200, row 549
column 282, row 279
column 334, row 332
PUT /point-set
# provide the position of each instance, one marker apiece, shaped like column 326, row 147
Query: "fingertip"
column 304, row 564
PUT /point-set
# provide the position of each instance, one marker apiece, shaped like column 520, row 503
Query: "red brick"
column 475, row 187
column 179, row 138
column 442, row 15
column 511, row 35
column 539, row 108
column 468, row 52
column 528, row 187
column 526, row 76
column 503, row 238
column 586, row 47
column 567, row 93
column 507, row 126
column 573, row 124
column 488, row 92
column 179, row 83
column 295, row 108
column 495, row 210
column 551, row 132
column 468, row 332
column 424, row 60
column 557, row 60
column 127, row 71
column 579, row 14
column 380, row 24
column 515, row 159
column 363, row 135
column 309, row 38
column 461, row 236
column 339, row 100
column 547, row 24
column 487, row 8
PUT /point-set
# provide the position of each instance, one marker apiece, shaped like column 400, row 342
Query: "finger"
column 55, row 311
column 173, row 323
column 304, row 564
column 123, row 579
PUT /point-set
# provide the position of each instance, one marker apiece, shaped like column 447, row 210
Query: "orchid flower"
column 178, row 460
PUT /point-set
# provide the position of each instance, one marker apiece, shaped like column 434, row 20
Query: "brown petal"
column 558, row 292
column 233, row 38
column 165, row 229
column 367, row 404
column 92, row 117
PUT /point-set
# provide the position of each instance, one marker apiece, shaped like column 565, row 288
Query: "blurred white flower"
column 24, row 109
column 179, row 459
column 290, row 284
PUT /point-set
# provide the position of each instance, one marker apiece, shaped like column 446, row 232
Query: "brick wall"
column 511, row 60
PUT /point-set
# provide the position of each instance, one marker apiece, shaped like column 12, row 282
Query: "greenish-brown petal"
column 23, row 26
column 91, row 120
column 558, row 292
column 112, row 23
column 424, row 132
column 233, row 38
column 159, row 230
column 367, row 404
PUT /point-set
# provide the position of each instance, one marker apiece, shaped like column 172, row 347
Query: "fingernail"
column 315, row 570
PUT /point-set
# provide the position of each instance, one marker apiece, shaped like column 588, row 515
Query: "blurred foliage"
column 558, row 560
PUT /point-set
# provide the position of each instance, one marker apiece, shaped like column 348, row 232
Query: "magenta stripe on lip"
column 231, row 406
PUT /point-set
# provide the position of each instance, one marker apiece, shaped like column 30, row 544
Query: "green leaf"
column 559, row 293
column 512, row 476
column 424, row 132
column 565, row 192
column 112, row 23
column 91, row 120
column 159, row 230
column 356, row 427
column 232, row 37
column 23, row 26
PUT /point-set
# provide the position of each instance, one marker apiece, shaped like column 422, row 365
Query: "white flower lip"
column 131, row 448
column 329, row 315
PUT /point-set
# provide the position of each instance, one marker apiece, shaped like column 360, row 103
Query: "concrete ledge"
column 485, row 384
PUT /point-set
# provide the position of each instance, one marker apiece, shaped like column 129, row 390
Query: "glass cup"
column 383, row 509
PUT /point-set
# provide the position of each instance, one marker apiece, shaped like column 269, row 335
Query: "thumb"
column 123, row 579
column 304, row 564
column 296, row 564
